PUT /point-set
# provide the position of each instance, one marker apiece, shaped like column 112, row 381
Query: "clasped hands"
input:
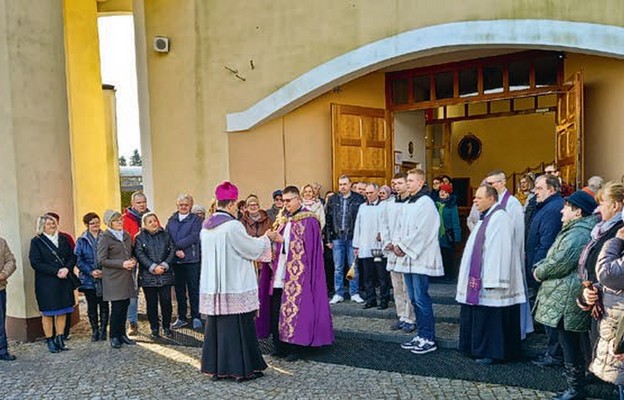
column 275, row 237
column 129, row 264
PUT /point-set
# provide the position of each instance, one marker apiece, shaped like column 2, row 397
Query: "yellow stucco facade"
column 284, row 40
column 94, row 156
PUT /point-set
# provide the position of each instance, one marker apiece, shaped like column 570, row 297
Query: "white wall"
column 410, row 126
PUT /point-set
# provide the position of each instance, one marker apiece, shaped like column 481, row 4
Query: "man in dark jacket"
column 543, row 229
column 184, row 228
column 340, row 213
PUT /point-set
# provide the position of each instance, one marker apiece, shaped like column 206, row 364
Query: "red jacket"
column 131, row 222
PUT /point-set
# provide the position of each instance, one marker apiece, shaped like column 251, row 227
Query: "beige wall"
column 509, row 143
column 604, row 119
column 296, row 149
column 191, row 91
column 35, row 175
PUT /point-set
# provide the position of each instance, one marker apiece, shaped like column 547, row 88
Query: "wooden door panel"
column 569, row 131
column 362, row 144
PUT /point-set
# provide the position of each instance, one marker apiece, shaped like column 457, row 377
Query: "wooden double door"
column 362, row 143
column 363, row 140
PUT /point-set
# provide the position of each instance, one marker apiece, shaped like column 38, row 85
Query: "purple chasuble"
column 476, row 260
column 506, row 197
column 305, row 318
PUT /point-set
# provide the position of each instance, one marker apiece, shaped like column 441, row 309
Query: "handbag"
column 71, row 276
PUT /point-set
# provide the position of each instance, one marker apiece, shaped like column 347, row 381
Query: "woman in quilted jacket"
column 154, row 249
column 561, row 285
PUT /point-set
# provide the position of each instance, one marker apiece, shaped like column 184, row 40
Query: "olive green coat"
column 561, row 284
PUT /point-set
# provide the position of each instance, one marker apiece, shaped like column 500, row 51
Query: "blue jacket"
column 185, row 235
column 86, row 252
column 450, row 221
column 544, row 228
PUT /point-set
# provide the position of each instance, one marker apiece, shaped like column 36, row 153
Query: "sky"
column 117, row 58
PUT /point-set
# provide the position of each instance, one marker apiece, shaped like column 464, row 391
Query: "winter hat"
column 110, row 215
column 226, row 191
column 447, row 188
column 277, row 193
column 582, row 200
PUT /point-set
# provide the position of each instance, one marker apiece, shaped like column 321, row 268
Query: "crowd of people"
column 547, row 254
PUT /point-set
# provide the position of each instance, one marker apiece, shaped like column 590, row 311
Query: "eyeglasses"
column 289, row 200
column 492, row 183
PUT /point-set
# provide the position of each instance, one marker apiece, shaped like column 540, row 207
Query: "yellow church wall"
column 94, row 161
column 604, row 120
column 509, row 143
column 296, row 149
column 268, row 43
column 112, row 7
column 188, row 145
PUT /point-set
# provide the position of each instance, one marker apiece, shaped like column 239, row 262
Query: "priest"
column 490, row 285
column 293, row 289
column 509, row 203
column 229, row 291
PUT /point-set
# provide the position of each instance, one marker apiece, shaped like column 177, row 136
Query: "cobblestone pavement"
column 157, row 371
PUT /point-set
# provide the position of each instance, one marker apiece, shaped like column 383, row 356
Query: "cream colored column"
column 35, row 175
column 95, row 167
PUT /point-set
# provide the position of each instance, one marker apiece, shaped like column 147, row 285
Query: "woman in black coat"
column 154, row 248
column 52, row 258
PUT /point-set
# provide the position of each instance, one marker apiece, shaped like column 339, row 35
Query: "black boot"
column 574, row 377
column 60, row 344
column 52, row 345
column 103, row 325
column 93, row 321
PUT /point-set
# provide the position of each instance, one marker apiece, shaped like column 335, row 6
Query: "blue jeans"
column 3, row 337
column 418, row 292
column 133, row 310
column 342, row 249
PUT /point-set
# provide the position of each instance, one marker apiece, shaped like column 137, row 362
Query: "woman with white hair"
column 53, row 260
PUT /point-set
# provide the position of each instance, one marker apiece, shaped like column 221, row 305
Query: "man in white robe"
column 511, row 204
column 418, row 257
column 490, row 286
column 229, row 291
column 366, row 239
column 389, row 226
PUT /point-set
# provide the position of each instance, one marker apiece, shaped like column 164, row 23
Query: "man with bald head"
column 490, row 286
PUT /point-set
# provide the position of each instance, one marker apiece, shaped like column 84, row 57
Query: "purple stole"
column 506, row 197
column 476, row 260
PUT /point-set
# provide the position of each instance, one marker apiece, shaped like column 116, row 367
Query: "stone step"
column 442, row 312
column 447, row 333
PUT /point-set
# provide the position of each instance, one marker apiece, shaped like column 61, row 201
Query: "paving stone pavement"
column 157, row 371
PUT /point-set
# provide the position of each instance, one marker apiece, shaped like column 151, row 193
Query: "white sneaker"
column 356, row 297
column 336, row 299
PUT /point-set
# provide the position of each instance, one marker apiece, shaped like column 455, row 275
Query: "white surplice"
column 516, row 213
column 418, row 239
column 366, row 229
column 228, row 283
column 502, row 280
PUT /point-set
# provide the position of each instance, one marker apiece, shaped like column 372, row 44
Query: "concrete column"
column 141, row 45
column 95, row 166
column 36, row 173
